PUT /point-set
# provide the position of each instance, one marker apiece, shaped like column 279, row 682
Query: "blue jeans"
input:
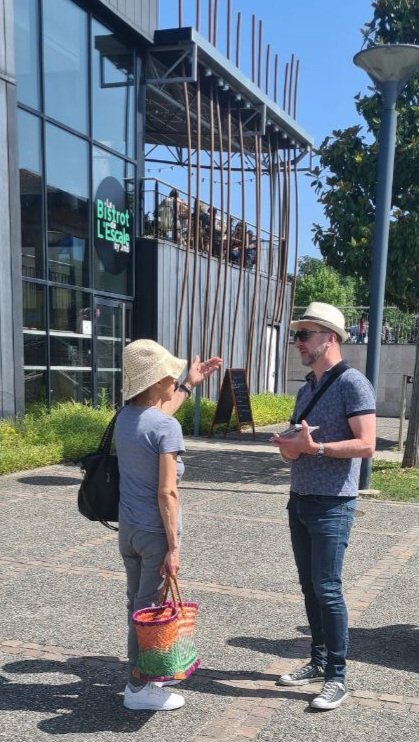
column 143, row 553
column 320, row 528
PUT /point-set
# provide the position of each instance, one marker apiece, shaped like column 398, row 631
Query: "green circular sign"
column 112, row 226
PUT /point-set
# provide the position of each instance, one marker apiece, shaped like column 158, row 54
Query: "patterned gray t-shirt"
column 349, row 395
column 141, row 435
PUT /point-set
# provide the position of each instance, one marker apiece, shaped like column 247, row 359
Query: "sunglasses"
column 304, row 335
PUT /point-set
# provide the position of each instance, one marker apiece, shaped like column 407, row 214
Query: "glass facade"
column 31, row 198
column 113, row 90
column 66, row 70
column 27, row 52
column 68, row 207
column 77, row 132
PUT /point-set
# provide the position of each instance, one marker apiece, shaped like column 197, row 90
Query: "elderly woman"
column 149, row 443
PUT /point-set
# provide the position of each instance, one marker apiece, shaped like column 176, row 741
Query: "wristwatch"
column 320, row 452
column 186, row 388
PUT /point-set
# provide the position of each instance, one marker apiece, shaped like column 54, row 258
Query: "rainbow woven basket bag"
column 165, row 636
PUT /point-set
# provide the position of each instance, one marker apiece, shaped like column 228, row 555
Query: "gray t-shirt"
column 141, row 435
column 349, row 395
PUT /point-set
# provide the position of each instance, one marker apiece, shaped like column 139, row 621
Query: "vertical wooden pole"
column 238, row 40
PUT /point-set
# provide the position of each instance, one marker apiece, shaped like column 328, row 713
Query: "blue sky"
column 324, row 35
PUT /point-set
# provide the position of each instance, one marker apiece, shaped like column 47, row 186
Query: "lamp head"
column 389, row 63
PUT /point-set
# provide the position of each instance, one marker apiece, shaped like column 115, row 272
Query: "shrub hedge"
column 69, row 429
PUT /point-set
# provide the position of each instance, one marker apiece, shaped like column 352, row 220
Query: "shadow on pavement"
column 87, row 705
column 393, row 646
column 233, row 466
column 227, row 683
column 385, row 444
column 46, row 480
column 91, row 704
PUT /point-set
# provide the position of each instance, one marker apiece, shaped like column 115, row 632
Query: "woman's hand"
column 196, row 375
column 198, row 371
column 171, row 563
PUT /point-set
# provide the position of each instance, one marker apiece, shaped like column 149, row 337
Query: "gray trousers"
column 143, row 553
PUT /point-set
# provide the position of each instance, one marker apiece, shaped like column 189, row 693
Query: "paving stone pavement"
column 62, row 623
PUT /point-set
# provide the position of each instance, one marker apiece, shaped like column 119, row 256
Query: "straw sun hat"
column 325, row 315
column 145, row 363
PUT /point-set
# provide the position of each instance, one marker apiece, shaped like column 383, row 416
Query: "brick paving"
column 235, row 698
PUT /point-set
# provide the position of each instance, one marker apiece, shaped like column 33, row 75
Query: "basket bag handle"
column 171, row 585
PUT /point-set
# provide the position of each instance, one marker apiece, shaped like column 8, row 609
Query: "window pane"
column 113, row 226
column 68, row 207
column 65, row 62
column 70, row 345
column 29, row 145
column 34, row 340
column 27, row 51
column 128, row 325
column 109, row 352
column 113, row 91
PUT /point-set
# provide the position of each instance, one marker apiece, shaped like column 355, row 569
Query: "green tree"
column 345, row 179
column 316, row 281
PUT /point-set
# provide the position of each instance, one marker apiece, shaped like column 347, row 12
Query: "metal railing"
column 398, row 327
column 166, row 216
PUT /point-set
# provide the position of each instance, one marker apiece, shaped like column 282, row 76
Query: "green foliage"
column 266, row 408
column 69, row 429
column 271, row 408
column 345, row 179
column 395, row 483
column 316, row 281
column 43, row 437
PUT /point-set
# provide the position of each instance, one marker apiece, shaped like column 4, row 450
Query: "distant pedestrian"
column 362, row 330
column 325, row 468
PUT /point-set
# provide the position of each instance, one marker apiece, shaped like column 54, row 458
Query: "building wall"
column 11, row 343
column 395, row 360
column 161, row 269
column 142, row 15
column 80, row 140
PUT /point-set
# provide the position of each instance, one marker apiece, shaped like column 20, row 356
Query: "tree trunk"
column 411, row 452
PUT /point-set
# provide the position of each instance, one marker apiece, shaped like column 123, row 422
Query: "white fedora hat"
column 145, row 363
column 325, row 315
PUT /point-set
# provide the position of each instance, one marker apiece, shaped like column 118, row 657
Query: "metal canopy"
column 182, row 56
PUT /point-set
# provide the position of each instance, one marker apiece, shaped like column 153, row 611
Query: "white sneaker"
column 152, row 698
column 332, row 695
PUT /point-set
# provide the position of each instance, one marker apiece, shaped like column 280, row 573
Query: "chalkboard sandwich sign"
column 234, row 394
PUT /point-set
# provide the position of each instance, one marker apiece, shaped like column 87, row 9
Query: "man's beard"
column 314, row 355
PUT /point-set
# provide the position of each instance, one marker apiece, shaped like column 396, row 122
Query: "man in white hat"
column 325, row 466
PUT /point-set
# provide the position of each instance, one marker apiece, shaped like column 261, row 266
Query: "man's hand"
column 198, row 371
column 291, row 447
column 171, row 563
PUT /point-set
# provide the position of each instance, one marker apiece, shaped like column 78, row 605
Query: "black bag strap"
column 335, row 373
column 105, row 444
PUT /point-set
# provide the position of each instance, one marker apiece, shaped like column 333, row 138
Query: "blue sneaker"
column 308, row 674
column 331, row 697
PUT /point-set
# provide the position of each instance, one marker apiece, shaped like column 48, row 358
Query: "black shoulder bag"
column 98, row 497
column 337, row 371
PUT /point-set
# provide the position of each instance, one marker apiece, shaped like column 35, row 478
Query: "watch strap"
column 186, row 388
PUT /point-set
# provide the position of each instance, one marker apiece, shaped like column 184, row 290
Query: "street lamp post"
column 390, row 66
